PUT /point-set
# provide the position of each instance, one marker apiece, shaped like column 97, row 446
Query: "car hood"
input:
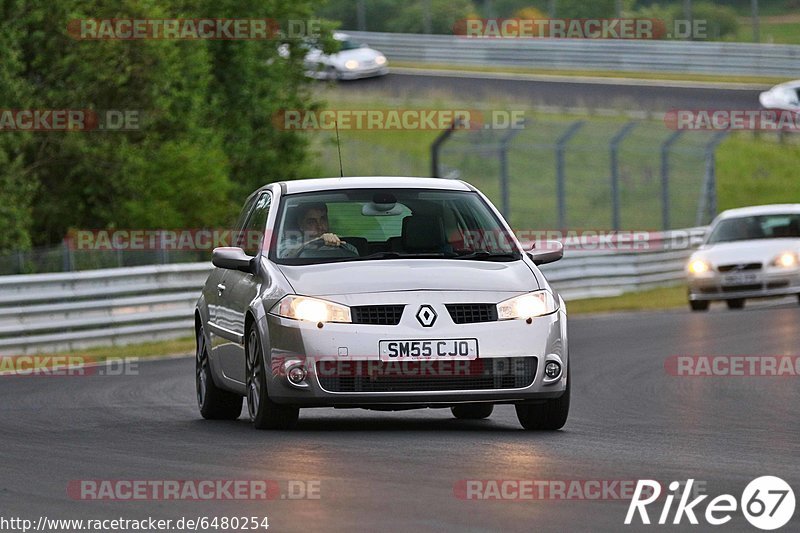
column 760, row 251
column 359, row 54
column 389, row 275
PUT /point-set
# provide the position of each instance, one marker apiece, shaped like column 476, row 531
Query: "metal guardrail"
column 746, row 59
column 71, row 311
column 42, row 313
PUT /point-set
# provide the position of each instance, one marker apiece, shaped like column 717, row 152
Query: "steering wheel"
column 326, row 251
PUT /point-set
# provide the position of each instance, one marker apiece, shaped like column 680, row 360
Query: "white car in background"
column 750, row 252
column 785, row 96
column 353, row 61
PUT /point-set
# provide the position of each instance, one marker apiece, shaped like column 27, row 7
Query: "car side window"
column 240, row 222
column 251, row 237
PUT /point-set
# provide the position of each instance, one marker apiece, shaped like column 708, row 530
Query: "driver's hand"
column 331, row 239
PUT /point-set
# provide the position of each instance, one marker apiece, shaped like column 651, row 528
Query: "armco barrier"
column 71, row 311
column 745, row 59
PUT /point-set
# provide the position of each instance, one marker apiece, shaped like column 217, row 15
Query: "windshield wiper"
column 483, row 254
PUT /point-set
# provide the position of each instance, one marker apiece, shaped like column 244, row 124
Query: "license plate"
column 739, row 279
column 429, row 349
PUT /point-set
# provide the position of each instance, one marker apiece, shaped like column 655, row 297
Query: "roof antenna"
column 339, row 148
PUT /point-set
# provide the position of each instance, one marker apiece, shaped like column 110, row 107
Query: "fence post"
column 561, row 194
column 665, row 206
column 707, row 208
column 436, row 145
column 505, row 141
column 361, row 15
column 614, row 145
column 66, row 263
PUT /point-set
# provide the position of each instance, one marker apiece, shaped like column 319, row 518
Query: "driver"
column 312, row 221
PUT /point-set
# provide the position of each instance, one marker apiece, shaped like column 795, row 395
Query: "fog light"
column 552, row 370
column 297, row 374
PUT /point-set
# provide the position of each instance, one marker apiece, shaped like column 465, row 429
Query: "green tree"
column 205, row 139
column 443, row 15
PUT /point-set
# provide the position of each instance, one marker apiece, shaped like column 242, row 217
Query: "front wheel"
column 214, row 403
column 738, row 303
column 332, row 73
column 264, row 413
column 472, row 411
column 550, row 415
column 699, row 305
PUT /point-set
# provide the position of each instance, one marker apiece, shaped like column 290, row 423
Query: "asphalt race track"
column 397, row 471
column 595, row 95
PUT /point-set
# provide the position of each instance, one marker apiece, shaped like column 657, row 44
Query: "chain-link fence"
column 610, row 174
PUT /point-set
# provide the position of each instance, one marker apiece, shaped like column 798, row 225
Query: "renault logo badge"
column 426, row 316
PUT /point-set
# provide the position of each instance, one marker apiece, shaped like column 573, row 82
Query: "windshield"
column 756, row 227
column 382, row 224
column 348, row 44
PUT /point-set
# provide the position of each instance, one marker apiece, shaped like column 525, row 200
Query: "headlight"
column 537, row 303
column 698, row 266
column 311, row 309
column 786, row 260
column 380, row 60
column 351, row 64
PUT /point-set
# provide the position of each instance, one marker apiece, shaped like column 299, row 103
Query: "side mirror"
column 232, row 258
column 549, row 252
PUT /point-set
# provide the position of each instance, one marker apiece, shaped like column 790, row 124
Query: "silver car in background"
column 785, row 96
column 750, row 252
column 380, row 293
column 353, row 61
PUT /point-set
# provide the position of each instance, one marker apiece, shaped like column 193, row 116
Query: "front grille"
column 471, row 313
column 738, row 288
column 382, row 315
column 777, row 284
column 419, row 376
column 748, row 266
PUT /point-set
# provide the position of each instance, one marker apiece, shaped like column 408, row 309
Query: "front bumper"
column 526, row 346
column 761, row 284
column 366, row 72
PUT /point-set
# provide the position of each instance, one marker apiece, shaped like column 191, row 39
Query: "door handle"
column 220, row 289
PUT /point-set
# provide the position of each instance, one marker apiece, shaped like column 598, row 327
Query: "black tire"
column 550, row 415
column 264, row 413
column 737, row 303
column 472, row 411
column 332, row 74
column 699, row 305
column 214, row 403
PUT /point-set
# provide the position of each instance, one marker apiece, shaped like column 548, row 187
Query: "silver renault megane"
column 380, row 293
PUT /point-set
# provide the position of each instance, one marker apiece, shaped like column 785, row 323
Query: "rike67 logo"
column 767, row 503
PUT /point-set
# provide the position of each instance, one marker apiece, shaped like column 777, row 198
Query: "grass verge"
column 141, row 351
column 653, row 299
column 666, row 76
